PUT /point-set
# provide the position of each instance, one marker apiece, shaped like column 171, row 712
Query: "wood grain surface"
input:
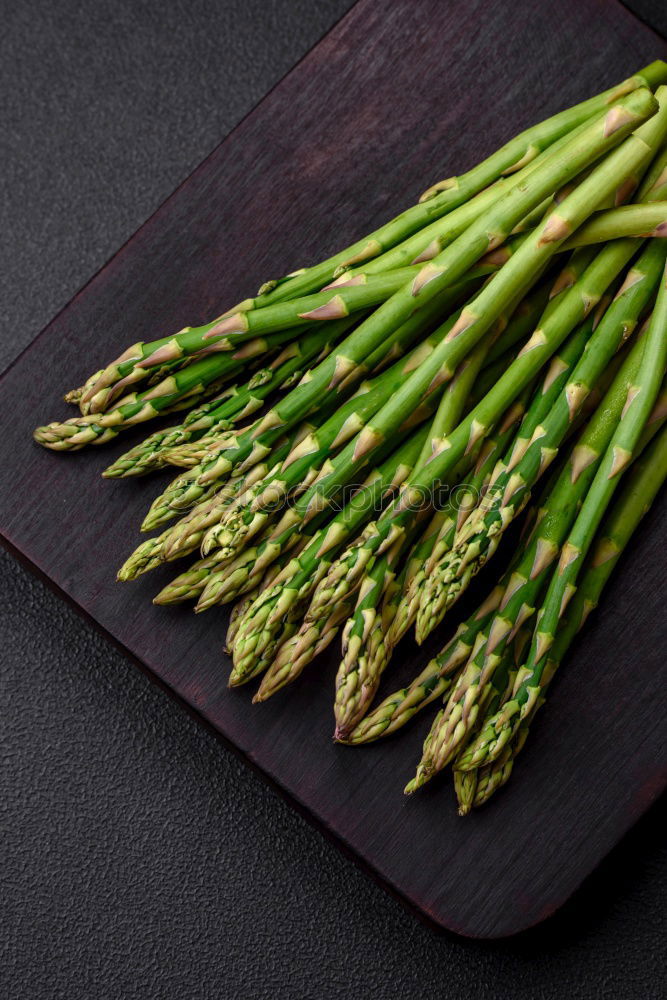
column 400, row 93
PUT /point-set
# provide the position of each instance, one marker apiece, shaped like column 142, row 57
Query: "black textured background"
column 139, row 857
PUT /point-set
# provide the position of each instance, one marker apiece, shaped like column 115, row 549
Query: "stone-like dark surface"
column 143, row 859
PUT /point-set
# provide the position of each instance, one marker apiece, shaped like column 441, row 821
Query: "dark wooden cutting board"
column 400, row 93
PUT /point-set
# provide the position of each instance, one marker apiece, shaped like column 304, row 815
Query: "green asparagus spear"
column 234, row 405
column 454, row 191
column 640, row 400
column 644, row 481
column 262, row 624
column 481, row 533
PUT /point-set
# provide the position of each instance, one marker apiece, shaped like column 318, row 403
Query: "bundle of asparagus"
column 363, row 431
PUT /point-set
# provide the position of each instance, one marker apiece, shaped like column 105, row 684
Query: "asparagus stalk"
column 640, row 400
column 306, row 460
column 297, row 650
column 648, row 219
column 569, row 309
column 261, row 627
column 477, row 318
column 480, row 535
column 234, row 405
column 180, row 389
column 153, row 362
column 644, row 481
column 434, row 680
column 606, row 132
column 174, row 501
column 465, row 788
column 239, row 576
column 530, row 142
column 74, row 396
column 209, row 373
column 323, row 618
column 366, row 646
column 330, row 379
column 487, row 666
column 365, row 651
column 191, row 454
column 497, row 693
column 428, row 242
column 440, row 533
column 348, row 297
column 337, row 301
column 180, row 539
column 186, row 535
column 493, row 776
column 139, row 357
column 474, row 787
column 345, row 574
column 455, row 191
column 434, row 550
column 93, row 400
column 236, row 613
column 148, row 455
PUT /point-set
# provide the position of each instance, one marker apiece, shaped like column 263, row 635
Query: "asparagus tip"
column 236, row 680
